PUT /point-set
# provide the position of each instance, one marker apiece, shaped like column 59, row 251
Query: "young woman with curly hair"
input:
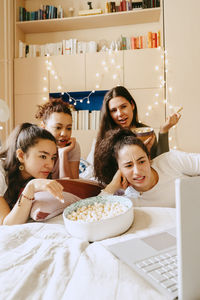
column 55, row 116
column 123, row 163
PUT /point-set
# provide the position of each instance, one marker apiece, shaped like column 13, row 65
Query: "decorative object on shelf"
column 4, row 111
column 90, row 11
column 71, row 11
column 90, row 4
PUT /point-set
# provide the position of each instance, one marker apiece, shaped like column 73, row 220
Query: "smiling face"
column 39, row 160
column 121, row 111
column 135, row 166
column 60, row 125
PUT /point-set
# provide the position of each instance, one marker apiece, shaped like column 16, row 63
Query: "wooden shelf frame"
column 139, row 16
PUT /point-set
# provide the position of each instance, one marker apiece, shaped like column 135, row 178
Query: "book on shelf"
column 44, row 12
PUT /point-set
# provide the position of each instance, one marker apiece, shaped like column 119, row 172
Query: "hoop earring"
column 21, row 167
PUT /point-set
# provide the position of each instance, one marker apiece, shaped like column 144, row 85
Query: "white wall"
column 182, row 24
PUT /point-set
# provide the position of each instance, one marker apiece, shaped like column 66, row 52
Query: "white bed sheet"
column 41, row 261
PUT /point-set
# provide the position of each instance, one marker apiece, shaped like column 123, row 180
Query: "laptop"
column 170, row 260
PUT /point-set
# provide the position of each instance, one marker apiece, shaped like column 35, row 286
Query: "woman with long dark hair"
column 26, row 162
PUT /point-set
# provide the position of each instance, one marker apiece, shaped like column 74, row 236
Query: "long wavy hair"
column 22, row 137
column 107, row 122
column 106, row 155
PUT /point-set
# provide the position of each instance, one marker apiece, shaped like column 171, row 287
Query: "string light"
column 71, row 99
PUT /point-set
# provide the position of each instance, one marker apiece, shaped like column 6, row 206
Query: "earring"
column 21, row 167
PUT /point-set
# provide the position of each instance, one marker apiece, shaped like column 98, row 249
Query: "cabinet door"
column 143, row 68
column 26, row 107
column 150, row 105
column 30, row 74
column 104, row 70
column 70, row 71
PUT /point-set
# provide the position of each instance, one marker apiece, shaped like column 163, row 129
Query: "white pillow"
column 46, row 206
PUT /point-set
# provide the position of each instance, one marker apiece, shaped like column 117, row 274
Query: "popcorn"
column 97, row 212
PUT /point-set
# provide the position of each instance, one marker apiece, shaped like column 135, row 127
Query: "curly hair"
column 106, row 155
column 53, row 105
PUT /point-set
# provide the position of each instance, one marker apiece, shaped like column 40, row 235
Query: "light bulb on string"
column 81, row 100
column 88, row 101
column 44, row 98
column 44, row 78
column 59, row 87
column 45, row 89
column 156, row 68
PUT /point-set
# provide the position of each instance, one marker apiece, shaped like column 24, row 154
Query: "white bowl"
column 104, row 228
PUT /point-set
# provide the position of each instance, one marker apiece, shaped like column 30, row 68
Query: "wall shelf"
column 94, row 21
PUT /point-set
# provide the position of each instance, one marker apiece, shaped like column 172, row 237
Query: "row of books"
column 151, row 40
column 85, row 119
column 126, row 5
column 66, row 47
column 45, row 12
column 73, row 46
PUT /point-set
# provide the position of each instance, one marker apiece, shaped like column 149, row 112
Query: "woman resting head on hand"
column 56, row 117
column 26, row 163
column 123, row 163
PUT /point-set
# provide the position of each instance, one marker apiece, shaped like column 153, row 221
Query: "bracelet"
column 20, row 198
column 31, row 199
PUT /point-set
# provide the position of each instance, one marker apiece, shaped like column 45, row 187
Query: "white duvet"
column 41, row 261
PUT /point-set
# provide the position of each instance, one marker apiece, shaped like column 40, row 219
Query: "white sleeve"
column 3, row 185
column 187, row 163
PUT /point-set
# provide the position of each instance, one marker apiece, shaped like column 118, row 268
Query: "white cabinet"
column 143, row 68
column 69, row 73
column 104, row 70
column 29, row 76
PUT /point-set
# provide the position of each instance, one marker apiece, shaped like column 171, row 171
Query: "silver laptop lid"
column 188, row 236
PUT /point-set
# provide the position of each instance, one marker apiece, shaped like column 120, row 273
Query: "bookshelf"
column 142, row 16
column 29, row 85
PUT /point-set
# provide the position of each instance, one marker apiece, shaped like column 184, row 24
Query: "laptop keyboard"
column 162, row 269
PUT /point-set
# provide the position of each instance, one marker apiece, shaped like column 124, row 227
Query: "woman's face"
column 135, row 166
column 60, row 125
column 39, row 160
column 121, row 111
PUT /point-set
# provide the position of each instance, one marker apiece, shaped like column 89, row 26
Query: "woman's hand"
column 149, row 142
column 170, row 122
column 70, row 145
column 118, row 182
column 49, row 185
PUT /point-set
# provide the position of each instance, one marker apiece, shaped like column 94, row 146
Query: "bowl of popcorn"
column 143, row 133
column 98, row 218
